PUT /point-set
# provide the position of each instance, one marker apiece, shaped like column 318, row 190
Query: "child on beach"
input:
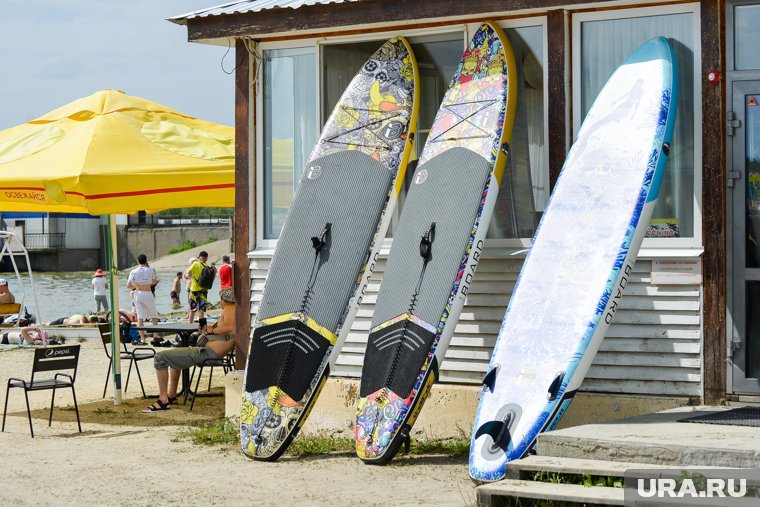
column 176, row 287
column 100, row 290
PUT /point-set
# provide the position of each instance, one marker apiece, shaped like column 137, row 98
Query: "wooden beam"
column 350, row 14
column 241, row 220
column 713, row 202
column 557, row 28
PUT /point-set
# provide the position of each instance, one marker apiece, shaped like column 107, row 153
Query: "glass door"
column 744, row 226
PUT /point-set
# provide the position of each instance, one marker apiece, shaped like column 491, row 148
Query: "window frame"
column 683, row 245
column 465, row 29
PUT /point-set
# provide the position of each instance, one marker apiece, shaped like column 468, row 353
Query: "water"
column 61, row 294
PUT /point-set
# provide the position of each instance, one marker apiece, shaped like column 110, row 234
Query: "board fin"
column 498, row 431
column 490, row 379
column 554, row 387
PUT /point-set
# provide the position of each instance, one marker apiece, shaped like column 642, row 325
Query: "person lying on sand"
column 74, row 319
column 219, row 341
column 27, row 336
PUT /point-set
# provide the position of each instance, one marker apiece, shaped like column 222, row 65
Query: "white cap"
column 3, row 281
column 192, row 259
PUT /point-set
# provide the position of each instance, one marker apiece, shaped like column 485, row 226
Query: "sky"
column 55, row 51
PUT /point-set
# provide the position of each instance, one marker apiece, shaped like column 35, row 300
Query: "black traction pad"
column 394, row 358
column 276, row 349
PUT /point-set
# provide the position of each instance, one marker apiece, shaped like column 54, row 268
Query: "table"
column 183, row 330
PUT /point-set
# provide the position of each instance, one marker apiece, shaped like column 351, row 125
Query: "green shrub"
column 187, row 245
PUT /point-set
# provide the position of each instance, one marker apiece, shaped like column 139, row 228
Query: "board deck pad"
column 580, row 261
column 445, row 216
column 334, row 226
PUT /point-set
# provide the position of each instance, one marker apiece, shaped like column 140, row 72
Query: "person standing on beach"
column 225, row 272
column 6, row 296
column 198, row 294
column 142, row 279
column 100, row 289
column 188, row 283
column 176, row 287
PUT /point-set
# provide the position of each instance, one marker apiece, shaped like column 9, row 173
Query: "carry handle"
column 319, row 241
column 427, row 241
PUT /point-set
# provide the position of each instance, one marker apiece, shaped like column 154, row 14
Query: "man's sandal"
column 173, row 400
column 158, row 406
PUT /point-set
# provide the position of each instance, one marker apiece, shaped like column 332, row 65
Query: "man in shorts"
column 142, row 279
column 215, row 342
column 198, row 295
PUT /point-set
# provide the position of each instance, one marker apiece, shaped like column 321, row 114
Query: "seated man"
column 6, row 296
column 221, row 340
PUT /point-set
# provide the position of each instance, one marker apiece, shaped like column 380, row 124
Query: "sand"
column 127, row 458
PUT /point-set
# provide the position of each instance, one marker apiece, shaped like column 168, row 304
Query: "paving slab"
column 659, row 439
column 498, row 492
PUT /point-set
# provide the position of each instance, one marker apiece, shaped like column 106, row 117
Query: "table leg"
column 185, row 339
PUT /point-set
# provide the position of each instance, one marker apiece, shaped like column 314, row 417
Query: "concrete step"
column 500, row 493
column 657, row 439
column 526, row 467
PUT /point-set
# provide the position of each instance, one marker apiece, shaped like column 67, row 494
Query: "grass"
column 187, row 245
column 225, row 432
column 587, row 480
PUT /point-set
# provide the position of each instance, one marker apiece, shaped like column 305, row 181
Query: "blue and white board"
column 580, row 261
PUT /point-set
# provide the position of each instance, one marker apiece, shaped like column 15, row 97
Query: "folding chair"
column 226, row 363
column 134, row 356
column 48, row 359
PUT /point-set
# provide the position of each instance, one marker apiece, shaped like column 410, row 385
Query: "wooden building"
column 689, row 326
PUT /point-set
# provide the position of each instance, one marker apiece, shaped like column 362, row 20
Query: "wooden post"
column 713, row 202
column 243, row 215
column 558, row 118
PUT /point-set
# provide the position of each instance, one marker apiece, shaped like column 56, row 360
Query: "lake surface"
column 61, row 294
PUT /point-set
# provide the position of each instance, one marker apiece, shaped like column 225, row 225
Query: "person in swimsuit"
column 74, row 319
column 6, row 296
column 27, row 336
column 174, row 294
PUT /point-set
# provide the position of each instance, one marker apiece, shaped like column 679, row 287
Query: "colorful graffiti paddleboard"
column 326, row 250
column 437, row 245
column 580, row 261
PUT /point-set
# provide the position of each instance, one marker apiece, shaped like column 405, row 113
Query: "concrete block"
column 498, row 493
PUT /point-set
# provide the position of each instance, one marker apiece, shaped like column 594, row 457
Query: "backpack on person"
column 206, row 277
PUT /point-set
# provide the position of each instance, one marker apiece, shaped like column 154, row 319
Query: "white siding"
column 653, row 347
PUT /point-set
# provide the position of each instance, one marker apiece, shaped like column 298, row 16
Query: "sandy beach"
column 127, row 458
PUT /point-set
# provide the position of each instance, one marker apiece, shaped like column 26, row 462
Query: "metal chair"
column 134, row 356
column 227, row 364
column 48, row 359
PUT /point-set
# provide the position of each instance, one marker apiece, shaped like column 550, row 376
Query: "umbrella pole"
column 113, row 281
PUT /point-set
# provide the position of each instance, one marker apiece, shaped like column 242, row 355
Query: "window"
column 290, row 128
column 676, row 214
column 290, row 124
column 746, row 37
column 437, row 59
column 524, row 189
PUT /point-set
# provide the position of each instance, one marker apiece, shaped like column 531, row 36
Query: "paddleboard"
column 437, row 244
column 580, row 261
column 327, row 248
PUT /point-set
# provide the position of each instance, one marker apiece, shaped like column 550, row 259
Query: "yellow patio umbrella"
column 114, row 153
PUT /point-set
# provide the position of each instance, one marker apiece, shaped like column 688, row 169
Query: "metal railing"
column 160, row 220
column 44, row 240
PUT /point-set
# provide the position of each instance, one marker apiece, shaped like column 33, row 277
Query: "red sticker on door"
column 751, row 101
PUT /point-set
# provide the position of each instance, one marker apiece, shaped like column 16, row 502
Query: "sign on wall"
column 677, row 272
